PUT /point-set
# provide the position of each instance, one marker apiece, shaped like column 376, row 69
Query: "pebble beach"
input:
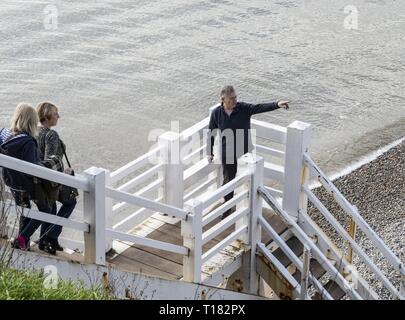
column 378, row 190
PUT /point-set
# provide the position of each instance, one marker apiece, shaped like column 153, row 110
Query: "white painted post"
column 108, row 212
column 191, row 230
column 172, row 172
column 305, row 272
column 295, row 173
column 254, row 165
column 94, row 215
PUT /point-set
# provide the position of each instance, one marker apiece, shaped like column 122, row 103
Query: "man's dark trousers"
column 229, row 173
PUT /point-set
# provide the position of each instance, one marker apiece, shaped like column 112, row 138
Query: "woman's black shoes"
column 46, row 246
column 55, row 244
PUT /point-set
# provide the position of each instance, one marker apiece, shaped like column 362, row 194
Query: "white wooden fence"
column 182, row 184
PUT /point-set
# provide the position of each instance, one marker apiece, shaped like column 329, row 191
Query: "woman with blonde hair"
column 19, row 142
column 50, row 145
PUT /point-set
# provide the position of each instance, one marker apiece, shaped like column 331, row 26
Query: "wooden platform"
column 169, row 265
column 163, row 264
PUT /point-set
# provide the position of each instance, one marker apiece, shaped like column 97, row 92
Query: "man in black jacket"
column 232, row 120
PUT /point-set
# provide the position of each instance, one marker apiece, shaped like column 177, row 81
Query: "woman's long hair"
column 25, row 120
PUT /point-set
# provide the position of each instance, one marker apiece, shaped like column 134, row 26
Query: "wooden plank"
column 131, row 264
column 275, row 222
column 145, row 241
column 151, row 260
column 171, row 233
column 295, row 245
column 334, row 290
column 315, row 268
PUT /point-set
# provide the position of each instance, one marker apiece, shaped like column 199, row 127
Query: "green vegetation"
column 21, row 285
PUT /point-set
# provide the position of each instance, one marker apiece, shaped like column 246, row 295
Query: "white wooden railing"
column 353, row 213
column 185, row 186
column 90, row 185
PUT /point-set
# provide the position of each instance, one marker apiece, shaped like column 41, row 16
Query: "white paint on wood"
column 77, row 181
column 298, row 139
column 94, row 215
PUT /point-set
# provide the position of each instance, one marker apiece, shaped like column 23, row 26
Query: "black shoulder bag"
column 67, row 193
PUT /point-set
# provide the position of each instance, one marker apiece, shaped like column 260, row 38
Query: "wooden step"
column 334, row 290
column 295, row 245
column 276, row 223
column 315, row 268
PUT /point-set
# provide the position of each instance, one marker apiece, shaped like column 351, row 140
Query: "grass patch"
column 22, row 285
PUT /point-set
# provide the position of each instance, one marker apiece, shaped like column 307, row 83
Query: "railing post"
column 94, row 215
column 305, row 272
column 352, row 234
column 253, row 164
column 108, row 212
column 172, row 172
column 295, row 173
column 191, row 230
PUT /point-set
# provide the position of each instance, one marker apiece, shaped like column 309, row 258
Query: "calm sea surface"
column 119, row 69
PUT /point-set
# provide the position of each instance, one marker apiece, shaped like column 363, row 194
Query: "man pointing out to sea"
column 232, row 120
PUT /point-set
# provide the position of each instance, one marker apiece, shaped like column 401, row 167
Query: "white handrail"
column 132, row 216
column 303, row 237
column 50, row 218
column 78, row 181
column 361, row 223
column 224, row 243
column 224, row 207
column 141, row 178
column 291, row 255
column 286, row 274
column 223, row 225
column 134, row 165
column 147, row 242
column 271, row 151
column 197, row 172
column 197, row 128
column 331, row 219
column 144, row 202
column 225, row 189
column 145, row 192
column 203, row 186
column 270, row 131
column 194, row 153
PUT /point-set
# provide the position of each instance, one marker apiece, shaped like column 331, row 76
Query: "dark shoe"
column 55, row 244
column 21, row 243
column 46, row 246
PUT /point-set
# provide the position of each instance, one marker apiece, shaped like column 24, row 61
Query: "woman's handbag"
column 67, row 193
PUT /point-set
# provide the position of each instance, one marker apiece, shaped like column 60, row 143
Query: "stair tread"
column 276, row 223
column 334, row 290
column 315, row 268
column 295, row 245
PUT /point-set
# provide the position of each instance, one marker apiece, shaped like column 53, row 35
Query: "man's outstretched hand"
column 283, row 104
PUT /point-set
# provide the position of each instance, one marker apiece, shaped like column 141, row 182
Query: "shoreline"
column 377, row 188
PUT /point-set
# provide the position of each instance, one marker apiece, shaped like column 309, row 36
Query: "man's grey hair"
column 227, row 91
